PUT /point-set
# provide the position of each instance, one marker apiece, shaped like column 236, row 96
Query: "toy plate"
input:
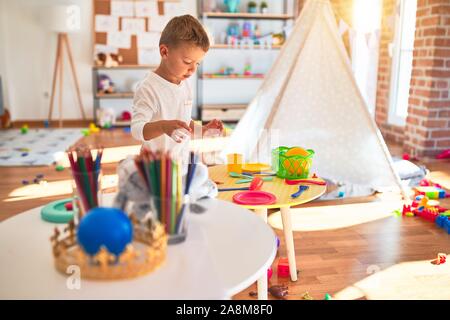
column 254, row 198
column 255, row 167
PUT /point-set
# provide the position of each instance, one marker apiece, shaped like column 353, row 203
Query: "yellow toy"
column 234, row 162
column 93, row 128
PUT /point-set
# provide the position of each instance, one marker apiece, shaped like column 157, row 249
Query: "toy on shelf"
column 247, row 30
column 126, row 116
column 248, row 69
column 252, row 7
column 264, row 7
column 232, row 5
column 106, row 117
column 108, row 60
column 292, row 163
column 105, row 84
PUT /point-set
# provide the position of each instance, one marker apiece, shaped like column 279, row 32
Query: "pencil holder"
column 87, row 191
column 173, row 215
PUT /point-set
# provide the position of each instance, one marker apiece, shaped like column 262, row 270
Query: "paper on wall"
column 148, row 40
column 146, row 8
column 122, row 8
column 157, row 23
column 149, row 56
column 102, row 48
column 104, row 23
column 133, row 26
column 173, row 9
column 119, row 40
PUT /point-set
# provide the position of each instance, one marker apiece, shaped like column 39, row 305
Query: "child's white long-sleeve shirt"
column 158, row 99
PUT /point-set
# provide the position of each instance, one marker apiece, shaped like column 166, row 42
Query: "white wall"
column 27, row 54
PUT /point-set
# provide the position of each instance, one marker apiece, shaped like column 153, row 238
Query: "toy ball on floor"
column 109, row 227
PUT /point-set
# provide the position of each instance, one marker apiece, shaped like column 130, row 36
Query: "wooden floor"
column 333, row 261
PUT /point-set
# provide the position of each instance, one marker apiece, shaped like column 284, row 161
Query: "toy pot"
column 232, row 5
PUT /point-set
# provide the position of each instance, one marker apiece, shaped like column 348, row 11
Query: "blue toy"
column 232, row 5
column 109, row 227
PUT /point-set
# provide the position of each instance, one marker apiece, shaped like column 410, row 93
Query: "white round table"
column 227, row 249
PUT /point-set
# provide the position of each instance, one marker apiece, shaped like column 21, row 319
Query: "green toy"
column 24, row 129
column 56, row 212
column 59, row 167
column 292, row 165
column 85, row 132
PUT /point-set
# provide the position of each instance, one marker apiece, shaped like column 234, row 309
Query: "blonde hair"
column 185, row 29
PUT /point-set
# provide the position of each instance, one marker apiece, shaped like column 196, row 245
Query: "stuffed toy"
column 108, row 60
column 106, row 117
column 104, row 84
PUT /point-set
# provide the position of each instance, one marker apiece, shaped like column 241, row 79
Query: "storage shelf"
column 116, row 95
column 244, row 15
column 246, row 47
column 235, row 76
column 223, row 106
column 122, row 123
column 126, row 66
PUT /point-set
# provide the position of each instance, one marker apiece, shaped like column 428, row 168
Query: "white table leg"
column 289, row 240
column 262, row 282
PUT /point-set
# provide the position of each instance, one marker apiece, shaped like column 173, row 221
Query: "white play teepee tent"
column 310, row 99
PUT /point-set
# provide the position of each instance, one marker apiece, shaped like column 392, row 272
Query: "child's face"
column 182, row 61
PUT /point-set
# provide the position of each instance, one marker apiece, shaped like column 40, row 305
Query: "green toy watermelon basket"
column 291, row 166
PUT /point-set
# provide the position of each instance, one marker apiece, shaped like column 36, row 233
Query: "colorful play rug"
column 37, row 147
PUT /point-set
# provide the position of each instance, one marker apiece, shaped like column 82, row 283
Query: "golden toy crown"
column 146, row 253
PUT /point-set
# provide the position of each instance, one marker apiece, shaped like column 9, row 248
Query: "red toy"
column 283, row 268
column 429, row 214
column 444, row 154
column 441, row 258
column 69, row 206
column 269, row 273
column 126, row 116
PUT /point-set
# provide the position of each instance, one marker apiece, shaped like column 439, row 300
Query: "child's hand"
column 215, row 125
column 176, row 129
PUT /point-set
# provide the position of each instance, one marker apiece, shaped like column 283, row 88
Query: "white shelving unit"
column 226, row 96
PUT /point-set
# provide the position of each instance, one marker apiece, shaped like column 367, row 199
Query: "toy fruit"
column 297, row 151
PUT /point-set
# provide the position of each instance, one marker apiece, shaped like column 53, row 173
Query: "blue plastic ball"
column 109, row 227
